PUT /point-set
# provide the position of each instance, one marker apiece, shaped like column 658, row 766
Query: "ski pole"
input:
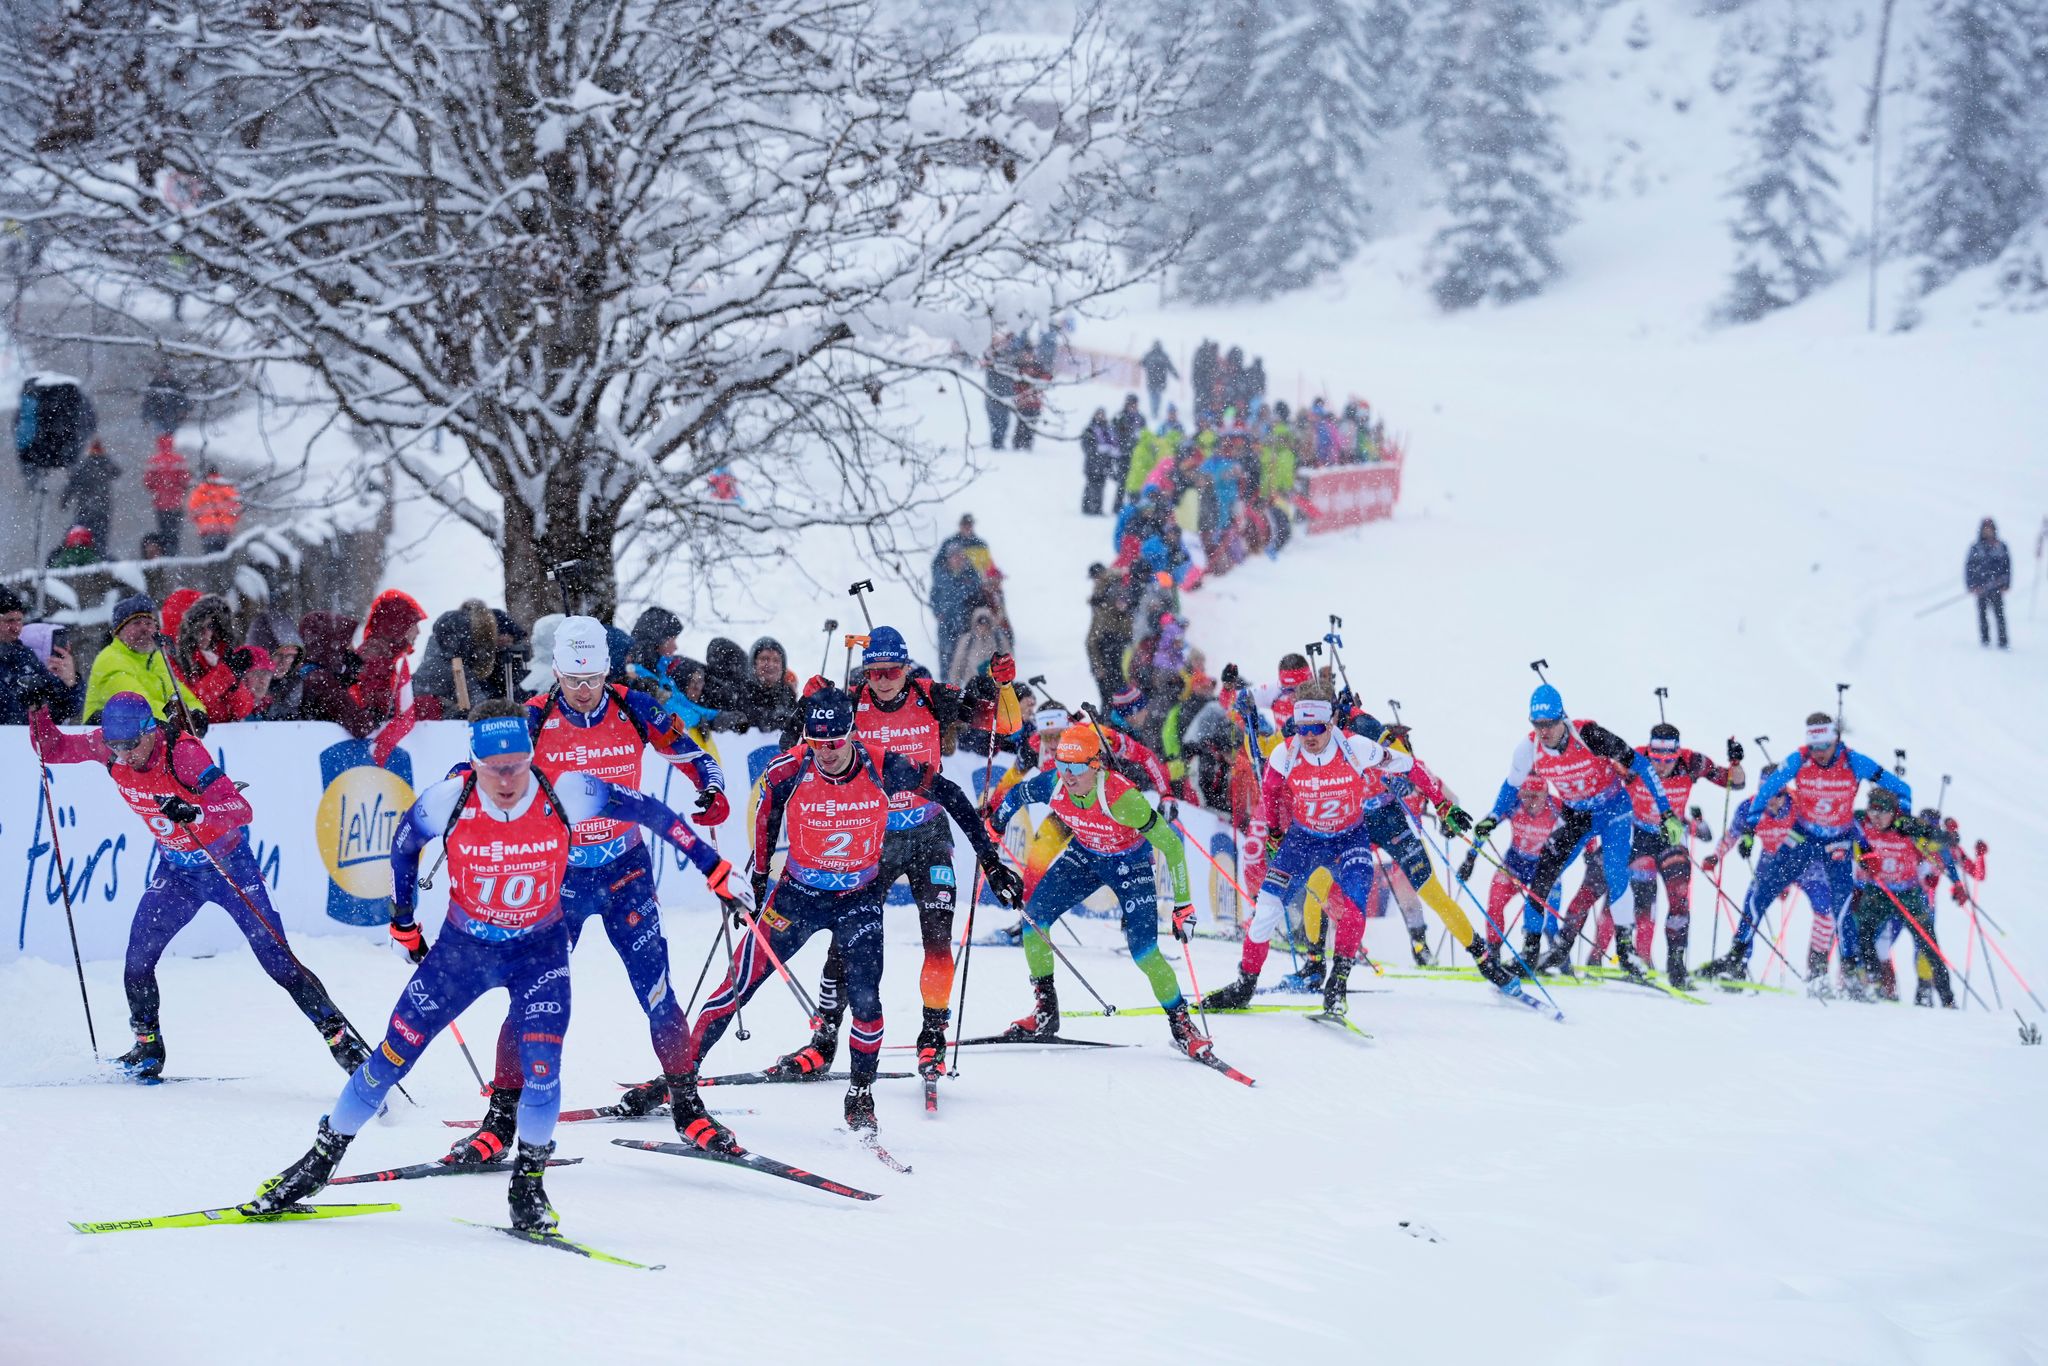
column 70, row 922
column 710, row 954
column 853, row 638
column 760, row 936
column 1335, row 641
column 1841, row 710
column 1032, row 928
column 1225, row 873
column 2001, row 952
column 988, row 771
column 1201, row 1006
column 1735, row 911
column 825, row 660
column 739, row 1018
column 1662, row 695
column 858, row 592
column 1944, row 603
column 221, row 871
column 483, row 1088
column 1925, row 937
column 1528, row 969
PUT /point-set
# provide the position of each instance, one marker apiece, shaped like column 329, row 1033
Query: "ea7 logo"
column 416, row 992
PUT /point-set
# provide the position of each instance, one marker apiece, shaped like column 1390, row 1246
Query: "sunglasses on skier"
column 580, row 680
column 125, row 746
column 1316, row 729
column 1074, row 770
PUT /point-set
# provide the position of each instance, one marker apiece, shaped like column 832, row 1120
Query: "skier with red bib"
column 1582, row 763
column 898, row 714
column 585, row 725
column 200, row 821
column 1113, row 832
column 1825, row 776
column 508, row 832
column 1652, row 855
column 834, row 794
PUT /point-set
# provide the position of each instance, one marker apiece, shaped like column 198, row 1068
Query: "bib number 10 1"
column 520, row 890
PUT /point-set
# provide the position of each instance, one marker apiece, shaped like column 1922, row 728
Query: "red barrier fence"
column 1339, row 496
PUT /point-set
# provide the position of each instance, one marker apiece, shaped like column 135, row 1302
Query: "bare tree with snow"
column 614, row 250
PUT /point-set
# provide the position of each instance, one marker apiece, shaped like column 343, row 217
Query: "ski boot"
column 349, row 1051
column 694, row 1125
column 1489, row 966
column 493, row 1136
column 1675, row 971
column 304, row 1178
column 1336, row 1000
column 1625, row 959
column 1308, row 977
column 145, row 1061
column 1044, row 1020
column 1733, row 965
column 1923, row 994
column 1888, row 981
column 1186, row 1037
column 1236, row 996
column 1856, row 983
column 931, row 1042
column 860, row 1108
column 531, row 1212
column 1558, row 959
column 814, row 1059
column 645, row 1098
column 1418, row 944
column 1532, row 953
column 1013, row 936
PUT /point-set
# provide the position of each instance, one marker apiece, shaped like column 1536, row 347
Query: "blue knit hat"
column 126, row 718
column 136, row 605
column 828, row 715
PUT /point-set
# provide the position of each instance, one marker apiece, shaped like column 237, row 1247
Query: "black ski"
column 443, row 1167
column 556, row 1240
column 1053, row 1040
column 764, row 1079
column 753, row 1162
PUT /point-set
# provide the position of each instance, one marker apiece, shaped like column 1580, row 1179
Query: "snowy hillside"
column 1747, row 516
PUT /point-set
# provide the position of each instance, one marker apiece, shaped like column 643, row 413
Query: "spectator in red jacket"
column 332, row 669
column 389, row 634
column 168, row 477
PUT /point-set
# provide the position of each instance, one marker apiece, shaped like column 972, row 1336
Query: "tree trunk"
column 592, row 587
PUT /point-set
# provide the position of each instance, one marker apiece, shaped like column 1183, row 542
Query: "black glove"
column 760, row 884
column 1485, row 826
column 1469, row 866
column 178, row 809
column 200, row 724
column 1007, row 886
column 1734, row 750
column 1347, row 703
column 1454, row 819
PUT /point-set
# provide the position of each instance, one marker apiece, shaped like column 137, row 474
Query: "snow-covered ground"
column 1747, row 517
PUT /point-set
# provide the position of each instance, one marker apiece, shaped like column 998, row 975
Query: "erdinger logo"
column 355, row 823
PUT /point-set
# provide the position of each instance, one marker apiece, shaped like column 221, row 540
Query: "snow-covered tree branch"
column 614, row 249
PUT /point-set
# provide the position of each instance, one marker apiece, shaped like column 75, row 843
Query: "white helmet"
column 581, row 647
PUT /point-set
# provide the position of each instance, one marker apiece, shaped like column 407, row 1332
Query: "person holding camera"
column 25, row 683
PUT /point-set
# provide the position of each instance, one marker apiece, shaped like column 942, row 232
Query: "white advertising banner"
column 325, row 819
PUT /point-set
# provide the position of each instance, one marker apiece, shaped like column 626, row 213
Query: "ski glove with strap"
column 1005, row 884
column 1455, row 819
column 406, row 939
column 1485, row 826
column 1183, row 918
column 712, row 807
column 177, row 809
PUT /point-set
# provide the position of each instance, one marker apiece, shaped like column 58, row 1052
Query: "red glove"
column 1958, row 895
column 815, row 682
column 1003, row 669
column 1982, row 847
column 1183, row 916
column 43, row 734
column 1711, row 862
column 408, row 940
column 720, row 881
column 712, row 808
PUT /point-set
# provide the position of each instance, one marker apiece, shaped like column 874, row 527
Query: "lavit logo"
column 355, row 824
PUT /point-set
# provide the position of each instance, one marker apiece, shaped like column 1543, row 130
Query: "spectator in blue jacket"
column 1988, row 573
column 25, row 683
